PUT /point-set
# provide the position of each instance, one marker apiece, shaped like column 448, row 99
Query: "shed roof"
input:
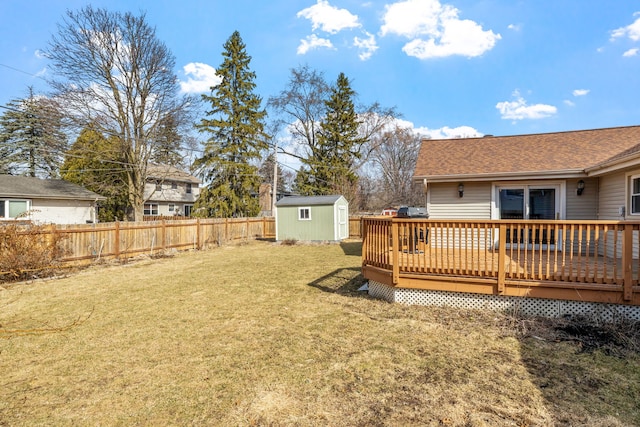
column 36, row 188
column 570, row 153
column 308, row 200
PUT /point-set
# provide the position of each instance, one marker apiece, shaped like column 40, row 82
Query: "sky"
column 457, row 68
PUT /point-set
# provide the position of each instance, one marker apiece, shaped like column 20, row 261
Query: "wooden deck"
column 587, row 261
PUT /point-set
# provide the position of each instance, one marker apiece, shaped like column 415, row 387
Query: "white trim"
column 521, row 176
column 300, row 210
column 628, row 193
column 7, row 208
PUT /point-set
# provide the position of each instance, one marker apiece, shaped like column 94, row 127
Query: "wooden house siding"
column 445, row 203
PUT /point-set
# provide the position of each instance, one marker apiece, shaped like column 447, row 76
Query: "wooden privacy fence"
column 126, row 239
column 587, row 260
column 86, row 242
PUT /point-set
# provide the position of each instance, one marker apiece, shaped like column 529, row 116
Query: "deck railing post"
column 627, row 261
column 502, row 251
column 395, row 252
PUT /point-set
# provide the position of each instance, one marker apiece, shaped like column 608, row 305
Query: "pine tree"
column 235, row 123
column 331, row 167
column 31, row 138
column 95, row 162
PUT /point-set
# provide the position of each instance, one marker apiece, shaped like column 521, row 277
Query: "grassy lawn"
column 264, row 334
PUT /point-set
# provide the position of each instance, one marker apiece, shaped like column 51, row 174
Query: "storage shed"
column 312, row 218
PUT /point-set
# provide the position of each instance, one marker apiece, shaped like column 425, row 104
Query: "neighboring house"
column 46, row 200
column 169, row 191
column 312, row 218
column 575, row 175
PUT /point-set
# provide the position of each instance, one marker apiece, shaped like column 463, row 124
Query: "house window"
column 172, row 207
column 158, row 185
column 174, row 185
column 13, row 208
column 189, row 188
column 187, row 210
column 150, row 209
column 304, row 214
column 635, row 195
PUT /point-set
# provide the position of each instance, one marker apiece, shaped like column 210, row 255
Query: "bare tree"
column 112, row 71
column 301, row 108
column 394, row 160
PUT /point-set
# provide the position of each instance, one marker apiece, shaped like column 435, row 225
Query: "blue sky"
column 451, row 68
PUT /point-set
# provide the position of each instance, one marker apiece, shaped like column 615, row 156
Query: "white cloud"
column 519, row 110
column 313, row 42
column 515, row 27
column 366, row 45
column 329, row 18
column 631, row 52
column 39, row 54
column 632, row 31
column 435, row 30
column 203, row 78
column 444, row 132
column 569, row 103
column 580, row 92
column 42, row 72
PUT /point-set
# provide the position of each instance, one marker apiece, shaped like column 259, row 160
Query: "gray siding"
column 584, row 207
column 444, row 202
column 612, row 196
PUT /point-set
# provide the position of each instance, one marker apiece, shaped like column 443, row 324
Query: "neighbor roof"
column 169, row 173
column 36, row 188
column 573, row 153
column 308, row 200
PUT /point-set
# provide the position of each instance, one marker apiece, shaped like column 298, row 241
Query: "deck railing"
column 511, row 257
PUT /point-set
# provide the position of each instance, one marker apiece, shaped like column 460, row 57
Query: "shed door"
column 343, row 223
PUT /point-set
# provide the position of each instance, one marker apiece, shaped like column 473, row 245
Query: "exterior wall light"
column 460, row 190
column 580, row 187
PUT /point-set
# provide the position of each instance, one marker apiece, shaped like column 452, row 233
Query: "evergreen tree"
column 96, row 163
column 31, row 138
column 331, row 167
column 236, row 126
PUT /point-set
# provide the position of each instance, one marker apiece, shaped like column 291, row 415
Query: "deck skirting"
column 526, row 306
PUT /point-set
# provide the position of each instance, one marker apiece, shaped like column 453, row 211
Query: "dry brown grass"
column 265, row 334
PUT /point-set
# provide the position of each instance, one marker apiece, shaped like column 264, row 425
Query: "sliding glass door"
column 535, row 202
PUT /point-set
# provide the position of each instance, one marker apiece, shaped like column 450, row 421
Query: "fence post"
column 198, row 234
column 627, row 261
column 395, row 253
column 117, row 239
column 163, row 226
column 502, row 251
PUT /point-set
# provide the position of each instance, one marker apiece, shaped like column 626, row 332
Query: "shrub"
column 28, row 251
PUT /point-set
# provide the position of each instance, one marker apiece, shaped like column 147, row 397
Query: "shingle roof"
column 308, row 200
column 557, row 153
column 36, row 188
column 169, row 173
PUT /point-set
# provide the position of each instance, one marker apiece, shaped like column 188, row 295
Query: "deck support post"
column 627, row 261
column 502, row 251
column 395, row 253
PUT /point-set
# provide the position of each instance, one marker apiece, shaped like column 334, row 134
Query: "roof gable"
column 567, row 153
column 36, row 188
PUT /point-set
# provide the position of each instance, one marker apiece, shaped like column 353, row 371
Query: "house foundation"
column 509, row 304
